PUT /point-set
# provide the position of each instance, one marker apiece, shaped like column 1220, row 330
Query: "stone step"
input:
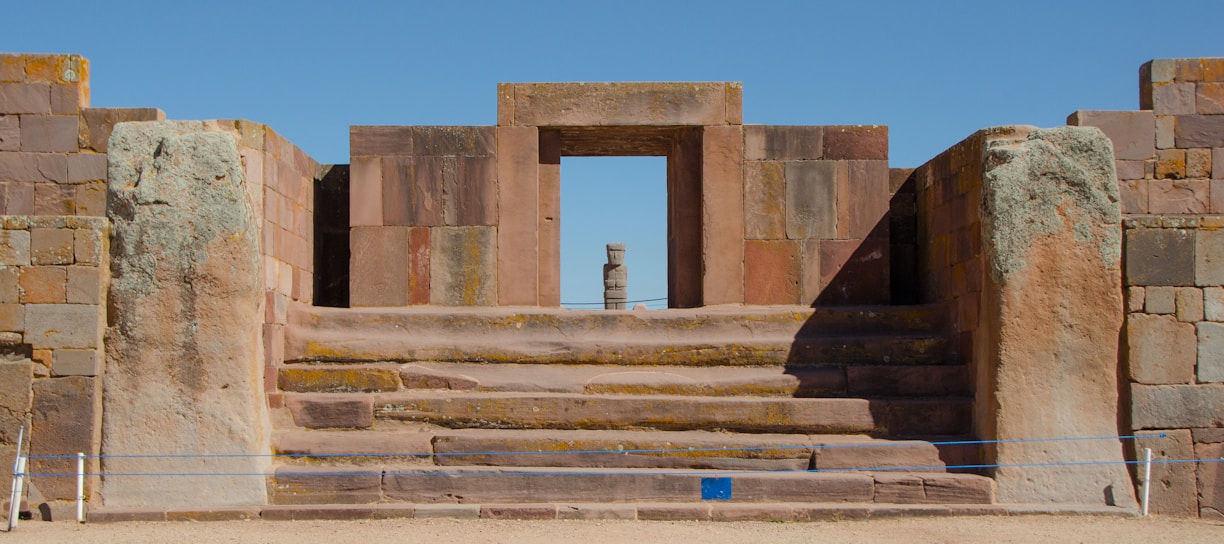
column 777, row 381
column 713, row 336
column 620, row 449
column 297, row 484
column 462, row 409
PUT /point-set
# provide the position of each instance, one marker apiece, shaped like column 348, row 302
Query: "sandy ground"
column 1034, row 529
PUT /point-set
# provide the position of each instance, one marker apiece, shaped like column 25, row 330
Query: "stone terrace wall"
column 815, row 200
column 53, row 277
column 1170, row 165
column 52, row 144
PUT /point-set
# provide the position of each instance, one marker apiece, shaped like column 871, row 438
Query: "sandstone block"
column 867, row 143
column 1213, row 303
column 54, row 326
column 1133, row 133
column 1217, row 163
column 423, row 378
column 43, row 285
column 98, row 123
column 54, row 199
column 1210, row 478
column 86, row 167
column 862, row 199
column 15, row 247
column 297, row 484
column 380, row 266
column 1209, row 98
column 336, row 380
column 25, row 98
column 597, row 511
column 722, row 215
column 412, row 190
column 463, row 266
column 764, row 200
column 1210, row 352
column 462, row 141
column 1131, row 170
column 33, row 167
column 90, row 199
column 1173, row 490
column 84, row 285
column 49, row 133
column 1190, row 131
column 1171, row 164
column 1160, row 350
column 89, row 245
column 1209, row 258
column 1176, row 406
column 600, row 104
column 331, row 411
column 75, row 362
column 49, row 246
column 62, row 423
column 783, row 143
column 1160, row 257
column 380, row 140
column 15, row 395
column 1161, row 300
column 66, row 99
column 472, row 199
column 1179, row 196
column 197, row 336
column 10, row 291
column 1189, row 304
column 1173, row 98
column 853, row 272
column 518, row 155
column 811, row 199
column 771, row 272
column 1198, row 163
column 12, row 318
column 518, row 511
column 10, row 134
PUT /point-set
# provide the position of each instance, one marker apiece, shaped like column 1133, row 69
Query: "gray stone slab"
column 1209, row 258
column 55, row 326
column 74, row 362
column 811, row 199
column 1160, row 257
column 1177, row 406
column 463, row 266
column 1210, row 352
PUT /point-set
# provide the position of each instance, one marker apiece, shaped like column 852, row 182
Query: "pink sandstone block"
column 764, row 200
column 1178, row 196
column 380, row 140
column 10, row 134
column 1209, row 98
column 1133, row 133
column 419, row 263
column 54, row 199
column 33, row 167
column 601, row 104
column 379, row 265
column 49, row 133
column 1134, row 195
column 366, row 192
column 505, row 104
column 518, row 155
column 862, row 199
column 853, row 272
column 66, row 99
column 735, row 103
column 867, row 142
column 86, row 167
column 1190, row 131
column 1173, row 99
column 722, row 201
column 771, row 272
column 549, row 238
column 25, row 98
column 98, row 123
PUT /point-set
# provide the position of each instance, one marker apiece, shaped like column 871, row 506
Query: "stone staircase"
column 497, row 406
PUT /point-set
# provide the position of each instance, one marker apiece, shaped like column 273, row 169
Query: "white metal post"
column 15, row 496
column 80, row 487
column 1147, row 478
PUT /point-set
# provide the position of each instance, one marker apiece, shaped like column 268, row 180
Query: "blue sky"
column 933, row 71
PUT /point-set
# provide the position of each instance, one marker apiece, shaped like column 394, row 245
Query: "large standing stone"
column 1051, row 233
column 15, row 374
column 183, row 372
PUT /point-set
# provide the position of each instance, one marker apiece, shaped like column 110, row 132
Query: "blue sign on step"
column 716, row 489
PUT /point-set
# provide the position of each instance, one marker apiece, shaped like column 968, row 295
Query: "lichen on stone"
column 1031, row 187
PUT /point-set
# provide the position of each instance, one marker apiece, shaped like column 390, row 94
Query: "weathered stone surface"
column 1160, row 350
column 853, row 272
column 764, row 200
column 1191, row 131
column 1210, row 478
column 1051, row 232
column 331, row 411
column 865, row 143
column 518, row 156
column 518, row 511
column 380, row 140
column 49, row 133
column 54, row 326
column 1160, row 300
column 51, row 246
column 771, row 272
column 1177, row 406
column 15, row 247
column 1133, row 133
column 1189, row 304
column 186, row 324
column 463, row 266
column 25, row 98
column 380, row 266
column 10, row 134
column 598, row 104
column 380, row 445
column 336, row 380
column 811, row 199
column 1209, row 257
column 98, row 123
column 783, row 143
column 1173, row 98
column 43, row 284
column 63, row 419
column 1173, row 490
column 75, row 362
column 1210, row 352
column 296, row 484
column 84, row 285
column 16, row 374
column 722, row 215
column 1213, row 303
column 366, row 192
column 1160, row 257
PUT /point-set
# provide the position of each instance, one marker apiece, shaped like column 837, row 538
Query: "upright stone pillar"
column 183, row 350
column 616, row 278
column 1046, row 348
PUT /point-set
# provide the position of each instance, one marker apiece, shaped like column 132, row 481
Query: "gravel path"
column 1029, row 529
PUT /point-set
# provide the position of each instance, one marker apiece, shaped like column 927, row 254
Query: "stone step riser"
column 333, row 485
column 613, row 449
column 887, row 381
column 898, row 417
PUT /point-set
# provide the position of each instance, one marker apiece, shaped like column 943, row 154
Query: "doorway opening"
column 614, row 199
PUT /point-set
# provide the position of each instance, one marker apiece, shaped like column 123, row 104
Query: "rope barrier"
column 783, row 447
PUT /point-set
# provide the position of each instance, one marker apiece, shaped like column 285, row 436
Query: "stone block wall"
column 1170, row 169
column 815, row 208
column 1174, row 355
column 423, row 211
column 54, row 273
column 52, row 144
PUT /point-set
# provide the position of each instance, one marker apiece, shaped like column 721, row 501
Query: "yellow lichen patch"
column 337, row 380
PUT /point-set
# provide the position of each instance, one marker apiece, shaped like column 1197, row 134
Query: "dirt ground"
column 1028, row 529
